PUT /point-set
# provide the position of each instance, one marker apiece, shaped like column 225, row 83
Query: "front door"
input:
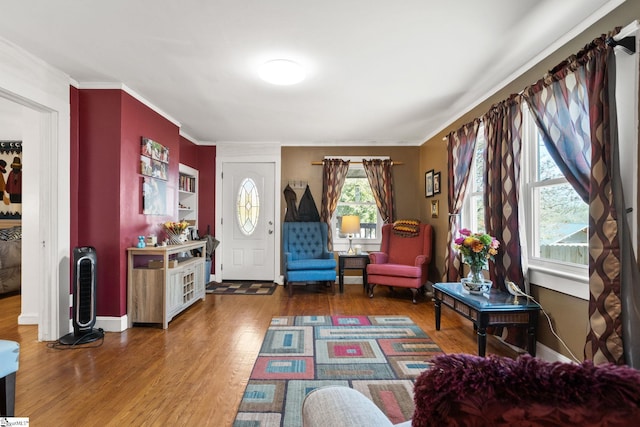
column 248, row 229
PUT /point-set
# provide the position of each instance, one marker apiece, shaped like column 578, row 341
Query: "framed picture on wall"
column 428, row 183
column 154, row 196
column 155, row 150
column 436, row 183
column 435, row 208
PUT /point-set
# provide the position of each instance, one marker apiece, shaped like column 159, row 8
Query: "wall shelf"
column 188, row 195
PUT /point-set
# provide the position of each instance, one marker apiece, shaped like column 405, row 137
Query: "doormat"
column 241, row 288
column 380, row 356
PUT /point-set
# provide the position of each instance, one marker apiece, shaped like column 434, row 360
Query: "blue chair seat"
column 306, row 258
column 9, row 352
column 312, row 264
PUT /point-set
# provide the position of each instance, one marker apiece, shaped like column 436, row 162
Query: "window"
column 473, row 209
column 357, row 199
column 558, row 228
column 247, row 206
column 555, row 217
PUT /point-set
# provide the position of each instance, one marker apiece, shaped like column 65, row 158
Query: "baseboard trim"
column 550, row 355
column 28, row 319
column 112, row 324
column 542, row 352
column 352, row 280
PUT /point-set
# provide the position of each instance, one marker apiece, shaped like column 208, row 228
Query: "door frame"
column 245, row 152
column 44, row 93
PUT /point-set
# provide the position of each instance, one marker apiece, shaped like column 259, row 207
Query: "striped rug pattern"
column 241, row 288
column 380, row 356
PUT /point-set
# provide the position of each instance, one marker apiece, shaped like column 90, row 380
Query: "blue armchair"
column 306, row 258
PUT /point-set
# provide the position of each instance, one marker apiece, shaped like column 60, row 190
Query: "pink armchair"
column 403, row 259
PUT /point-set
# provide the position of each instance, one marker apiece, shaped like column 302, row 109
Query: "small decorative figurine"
column 141, row 243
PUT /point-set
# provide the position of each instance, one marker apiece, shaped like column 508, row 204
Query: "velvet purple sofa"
column 462, row 390
column 466, row 390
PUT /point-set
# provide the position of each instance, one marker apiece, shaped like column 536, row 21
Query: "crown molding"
column 133, row 93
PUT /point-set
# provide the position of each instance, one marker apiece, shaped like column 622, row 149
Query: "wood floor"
column 194, row 372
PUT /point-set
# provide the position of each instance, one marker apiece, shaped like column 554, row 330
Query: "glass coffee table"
column 495, row 308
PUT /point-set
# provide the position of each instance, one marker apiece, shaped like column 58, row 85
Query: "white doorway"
column 43, row 95
column 248, row 219
column 252, row 252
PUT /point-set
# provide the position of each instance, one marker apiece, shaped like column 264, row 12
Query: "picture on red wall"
column 154, row 196
column 11, row 179
column 154, row 150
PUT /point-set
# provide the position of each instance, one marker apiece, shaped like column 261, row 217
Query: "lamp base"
column 350, row 251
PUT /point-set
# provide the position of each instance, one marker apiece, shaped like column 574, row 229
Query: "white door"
column 248, row 216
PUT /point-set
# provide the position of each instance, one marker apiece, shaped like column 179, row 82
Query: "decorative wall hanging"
column 11, row 179
column 435, row 208
column 154, row 159
column 428, row 183
column 154, row 196
column 436, row 183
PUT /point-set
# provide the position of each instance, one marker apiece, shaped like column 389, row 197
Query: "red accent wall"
column 111, row 125
column 188, row 153
column 202, row 158
column 74, row 175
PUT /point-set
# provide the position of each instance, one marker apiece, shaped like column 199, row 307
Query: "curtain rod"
column 394, row 163
column 627, row 43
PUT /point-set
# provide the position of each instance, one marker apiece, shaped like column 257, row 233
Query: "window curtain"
column 581, row 90
column 503, row 134
column 460, row 148
column 379, row 175
column 334, row 172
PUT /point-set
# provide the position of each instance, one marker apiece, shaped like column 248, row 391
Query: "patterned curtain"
column 560, row 109
column 503, row 133
column 334, row 172
column 578, row 95
column 379, row 176
column 460, row 147
column 604, row 340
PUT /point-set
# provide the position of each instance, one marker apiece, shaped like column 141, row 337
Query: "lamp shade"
column 350, row 224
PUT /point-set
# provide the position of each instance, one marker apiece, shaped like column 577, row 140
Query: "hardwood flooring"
column 194, row 372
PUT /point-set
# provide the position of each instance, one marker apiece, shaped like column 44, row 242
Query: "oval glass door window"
column 248, row 206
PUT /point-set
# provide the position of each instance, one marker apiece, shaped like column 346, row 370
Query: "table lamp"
column 350, row 225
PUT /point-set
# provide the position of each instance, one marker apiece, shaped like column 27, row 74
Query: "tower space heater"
column 84, row 298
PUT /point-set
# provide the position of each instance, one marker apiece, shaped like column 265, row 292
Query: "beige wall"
column 568, row 314
column 296, row 165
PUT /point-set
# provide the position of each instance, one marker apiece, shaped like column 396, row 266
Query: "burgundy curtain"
column 334, row 172
column 460, row 148
column 561, row 111
column 503, row 134
column 379, row 176
column 574, row 108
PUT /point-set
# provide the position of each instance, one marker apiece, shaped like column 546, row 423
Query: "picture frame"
column 154, row 150
column 435, row 208
column 154, row 196
column 436, row 183
column 428, row 183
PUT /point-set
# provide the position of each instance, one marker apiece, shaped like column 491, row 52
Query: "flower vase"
column 174, row 239
column 475, row 283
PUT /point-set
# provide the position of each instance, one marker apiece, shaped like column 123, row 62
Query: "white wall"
column 43, row 91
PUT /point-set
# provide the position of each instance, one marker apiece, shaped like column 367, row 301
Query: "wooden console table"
column 157, row 295
column 495, row 308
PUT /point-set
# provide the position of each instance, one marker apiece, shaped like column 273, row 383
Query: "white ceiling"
column 379, row 71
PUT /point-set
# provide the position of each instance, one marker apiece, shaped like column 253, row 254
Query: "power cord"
column 82, row 341
column 516, row 291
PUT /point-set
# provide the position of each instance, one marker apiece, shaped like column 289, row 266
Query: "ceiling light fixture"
column 282, row 72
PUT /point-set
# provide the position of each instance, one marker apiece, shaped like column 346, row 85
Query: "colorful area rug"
column 241, row 288
column 380, row 356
